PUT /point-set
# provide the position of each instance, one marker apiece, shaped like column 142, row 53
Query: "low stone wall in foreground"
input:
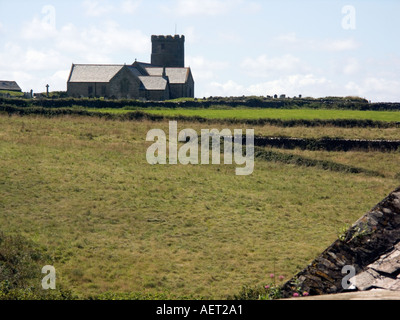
column 371, row 247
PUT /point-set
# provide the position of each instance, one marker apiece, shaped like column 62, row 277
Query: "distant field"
column 284, row 114
column 11, row 93
column 81, row 187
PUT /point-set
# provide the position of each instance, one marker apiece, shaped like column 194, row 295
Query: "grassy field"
column 81, row 187
column 284, row 114
column 11, row 93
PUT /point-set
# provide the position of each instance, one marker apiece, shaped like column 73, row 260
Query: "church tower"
column 168, row 51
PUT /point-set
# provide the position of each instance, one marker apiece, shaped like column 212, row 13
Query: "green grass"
column 12, row 93
column 180, row 99
column 21, row 262
column 283, row 114
column 81, row 188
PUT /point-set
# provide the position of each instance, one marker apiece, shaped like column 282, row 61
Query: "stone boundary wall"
column 210, row 102
column 327, row 144
column 373, row 236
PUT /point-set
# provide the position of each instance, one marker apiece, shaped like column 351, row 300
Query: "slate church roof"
column 9, row 85
column 151, row 77
column 93, row 72
column 153, row 83
column 175, row 75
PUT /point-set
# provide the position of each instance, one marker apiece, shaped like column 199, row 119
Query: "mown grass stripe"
column 139, row 115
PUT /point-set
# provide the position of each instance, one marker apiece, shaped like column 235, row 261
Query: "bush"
column 271, row 291
column 21, row 262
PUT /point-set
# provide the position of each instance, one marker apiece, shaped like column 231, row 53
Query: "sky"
column 234, row 47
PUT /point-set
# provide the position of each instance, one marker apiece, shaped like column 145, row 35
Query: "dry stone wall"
column 371, row 246
column 328, row 144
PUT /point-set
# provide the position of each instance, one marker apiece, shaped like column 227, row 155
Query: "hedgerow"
column 349, row 103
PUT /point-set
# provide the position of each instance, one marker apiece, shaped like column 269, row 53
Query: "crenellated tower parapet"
column 168, row 51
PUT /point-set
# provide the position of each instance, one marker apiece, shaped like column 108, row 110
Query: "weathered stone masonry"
column 168, row 51
column 371, row 246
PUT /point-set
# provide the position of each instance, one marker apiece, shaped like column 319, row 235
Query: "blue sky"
column 234, row 47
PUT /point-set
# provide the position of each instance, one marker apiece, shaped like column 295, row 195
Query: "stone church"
column 166, row 77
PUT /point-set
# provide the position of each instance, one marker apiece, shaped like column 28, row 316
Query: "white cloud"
column 24, row 79
column 52, row 52
column 98, row 8
column 58, row 80
column 29, row 66
column 209, row 7
column 229, row 88
column 372, row 88
column 41, row 60
column 130, row 6
column 377, row 89
column 252, row 7
column 351, row 67
column 71, row 40
column 92, row 44
column 290, row 37
column 38, row 29
column 190, row 34
column 340, row 45
column 204, row 69
column 230, row 37
column 95, row 8
column 263, row 66
column 111, row 38
column 205, row 7
column 291, row 85
column 387, row 66
column 330, row 45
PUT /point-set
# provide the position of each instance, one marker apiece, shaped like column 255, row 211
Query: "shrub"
column 269, row 292
column 21, row 262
